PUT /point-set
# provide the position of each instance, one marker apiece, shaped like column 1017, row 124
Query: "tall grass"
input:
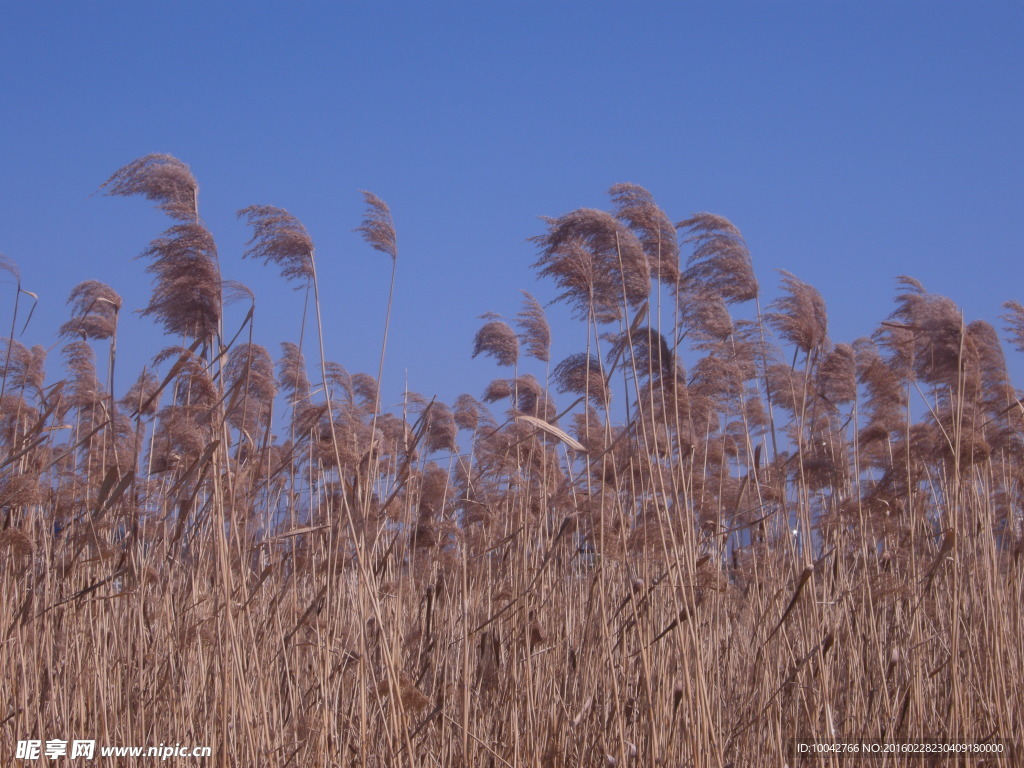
column 726, row 533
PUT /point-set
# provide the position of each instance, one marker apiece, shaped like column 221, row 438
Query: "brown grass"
column 671, row 568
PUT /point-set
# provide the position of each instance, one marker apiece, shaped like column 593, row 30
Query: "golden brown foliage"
column 677, row 570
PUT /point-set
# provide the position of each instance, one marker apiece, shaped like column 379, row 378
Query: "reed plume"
column 378, row 227
column 720, row 259
column 469, row 413
column 787, row 387
column 339, row 379
column 85, row 390
column 8, row 266
column 987, row 367
column 279, row 238
column 837, row 375
column 499, row 389
column 250, row 371
column 95, row 307
column 799, row 315
column 142, row 398
column 925, row 335
column 185, row 425
column 292, row 375
column 194, row 386
column 24, row 369
column 532, row 399
column 497, row 339
column 161, row 178
column 366, row 389
column 580, row 374
column 1014, row 318
column 635, row 207
column 703, row 315
column 534, row 331
column 441, row 430
column 186, row 297
column 597, row 261
column 884, row 384
column 649, row 353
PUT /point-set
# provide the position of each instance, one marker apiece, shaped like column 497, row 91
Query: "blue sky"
column 850, row 142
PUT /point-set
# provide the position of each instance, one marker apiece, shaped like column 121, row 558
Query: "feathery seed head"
column 378, row 228
column 635, row 207
column 96, row 306
column 498, row 340
column 799, row 316
column 534, row 331
column 161, row 178
column 597, row 261
column 281, row 239
column 186, row 298
column 720, row 260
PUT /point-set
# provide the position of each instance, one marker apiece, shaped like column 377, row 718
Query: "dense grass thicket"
column 710, row 531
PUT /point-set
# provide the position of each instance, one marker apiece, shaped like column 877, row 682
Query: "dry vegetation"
column 623, row 563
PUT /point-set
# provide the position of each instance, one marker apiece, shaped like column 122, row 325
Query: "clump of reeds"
column 708, row 531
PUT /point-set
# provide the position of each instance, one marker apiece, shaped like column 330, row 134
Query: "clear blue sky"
column 850, row 142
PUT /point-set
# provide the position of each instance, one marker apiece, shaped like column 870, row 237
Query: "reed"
column 710, row 531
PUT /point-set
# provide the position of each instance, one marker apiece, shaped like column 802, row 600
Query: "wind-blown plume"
column 7, row 265
column 786, row 386
column 837, row 375
column 499, row 389
column 799, row 316
column 718, row 378
column 141, row 396
column 95, row 306
column 194, row 386
column 469, row 413
column 365, row 388
column 249, row 367
column 651, row 355
column 279, row 238
column 704, row 314
column 580, row 374
column 186, row 298
column 378, row 228
column 161, row 178
column 35, row 368
column 185, row 425
column 532, row 399
column 85, row 391
column 635, row 206
column 925, row 334
column 886, row 394
column 720, row 259
column 1015, row 323
column 534, row 331
column 234, row 291
column 498, row 340
column 292, row 372
column 24, row 367
column 995, row 387
column 340, row 380
column 441, row 429
column 597, row 261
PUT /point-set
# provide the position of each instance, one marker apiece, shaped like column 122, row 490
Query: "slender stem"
column 384, row 343
column 10, row 341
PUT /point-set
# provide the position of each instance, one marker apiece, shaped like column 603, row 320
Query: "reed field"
column 709, row 533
